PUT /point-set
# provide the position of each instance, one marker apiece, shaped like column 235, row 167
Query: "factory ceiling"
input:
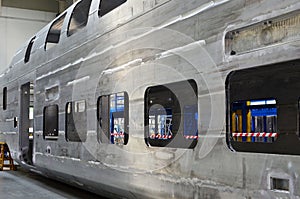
column 55, row 6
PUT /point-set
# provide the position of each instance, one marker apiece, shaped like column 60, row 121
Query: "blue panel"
column 190, row 120
column 264, row 112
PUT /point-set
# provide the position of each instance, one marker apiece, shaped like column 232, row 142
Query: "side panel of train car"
column 160, row 99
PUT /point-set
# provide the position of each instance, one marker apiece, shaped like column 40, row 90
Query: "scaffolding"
column 6, row 160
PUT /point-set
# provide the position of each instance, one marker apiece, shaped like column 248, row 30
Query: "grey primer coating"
column 143, row 68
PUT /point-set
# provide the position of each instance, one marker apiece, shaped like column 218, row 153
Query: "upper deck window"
column 28, row 50
column 171, row 115
column 108, row 5
column 79, row 17
column 54, row 33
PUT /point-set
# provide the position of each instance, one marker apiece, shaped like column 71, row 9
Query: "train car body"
column 161, row 99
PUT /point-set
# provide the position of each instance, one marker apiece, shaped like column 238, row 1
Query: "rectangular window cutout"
column 171, row 115
column 278, row 184
column 50, row 124
column 76, row 121
column 262, row 109
column 4, row 98
column 52, row 93
column 54, row 32
column 107, row 6
column 254, row 121
column 79, row 17
column 113, row 118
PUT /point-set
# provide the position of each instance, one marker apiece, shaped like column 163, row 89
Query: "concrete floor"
column 24, row 184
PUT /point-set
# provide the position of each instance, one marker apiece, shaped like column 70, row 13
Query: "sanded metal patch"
column 274, row 31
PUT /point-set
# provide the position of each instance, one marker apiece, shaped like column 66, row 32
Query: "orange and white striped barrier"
column 159, row 136
column 117, row 134
column 192, row 137
column 269, row 135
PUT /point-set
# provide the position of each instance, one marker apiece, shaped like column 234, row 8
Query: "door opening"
column 26, row 122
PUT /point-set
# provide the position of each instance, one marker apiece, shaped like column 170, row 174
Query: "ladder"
column 5, row 157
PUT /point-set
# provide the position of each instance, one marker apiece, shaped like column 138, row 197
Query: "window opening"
column 171, row 115
column 262, row 109
column 190, row 121
column 76, row 121
column 15, row 122
column 79, row 17
column 4, row 98
column 107, row 6
column 278, row 184
column 52, row 93
column 160, row 123
column 50, row 128
column 113, row 117
column 28, row 50
column 254, row 121
column 54, row 33
column 31, row 110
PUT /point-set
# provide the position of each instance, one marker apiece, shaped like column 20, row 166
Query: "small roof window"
column 28, row 50
column 107, row 6
column 54, row 33
column 79, row 17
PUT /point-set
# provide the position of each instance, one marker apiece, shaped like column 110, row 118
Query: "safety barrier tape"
column 158, row 136
column 270, row 135
column 117, row 134
column 191, row 136
column 153, row 136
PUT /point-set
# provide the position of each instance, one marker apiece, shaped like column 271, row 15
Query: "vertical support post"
column 249, row 139
column 240, row 125
column 111, row 132
column 248, row 118
column 233, row 122
column 240, row 120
